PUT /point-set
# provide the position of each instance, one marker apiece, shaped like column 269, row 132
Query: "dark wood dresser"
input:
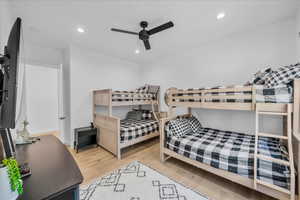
column 55, row 174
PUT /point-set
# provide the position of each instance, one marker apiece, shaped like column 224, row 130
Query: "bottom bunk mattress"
column 233, row 152
column 132, row 129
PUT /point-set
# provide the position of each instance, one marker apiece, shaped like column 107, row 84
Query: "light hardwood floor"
column 95, row 162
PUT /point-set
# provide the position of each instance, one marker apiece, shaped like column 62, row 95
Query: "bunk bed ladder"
column 287, row 116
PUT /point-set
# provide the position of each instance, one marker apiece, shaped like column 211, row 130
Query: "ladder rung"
column 272, row 113
column 270, row 135
column 268, row 158
column 273, row 186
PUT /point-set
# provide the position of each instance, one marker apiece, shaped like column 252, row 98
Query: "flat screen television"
column 8, row 86
column 9, row 77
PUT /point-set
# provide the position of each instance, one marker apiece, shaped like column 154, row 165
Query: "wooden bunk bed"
column 242, row 98
column 110, row 127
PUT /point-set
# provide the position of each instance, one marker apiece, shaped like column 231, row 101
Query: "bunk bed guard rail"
column 233, row 98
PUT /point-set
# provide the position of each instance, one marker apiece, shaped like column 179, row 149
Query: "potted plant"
column 10, row 177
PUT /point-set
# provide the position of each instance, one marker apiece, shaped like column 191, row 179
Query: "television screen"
column 9, row 76
column 1, row 85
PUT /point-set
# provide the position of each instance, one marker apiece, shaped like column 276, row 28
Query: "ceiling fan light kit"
column 144, row 34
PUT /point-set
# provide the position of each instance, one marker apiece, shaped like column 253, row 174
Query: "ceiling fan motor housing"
column 143, row 35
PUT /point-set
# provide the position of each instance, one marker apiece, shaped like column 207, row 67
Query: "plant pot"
column 6, row 192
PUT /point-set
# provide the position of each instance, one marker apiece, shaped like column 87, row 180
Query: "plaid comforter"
column 132, row 95
column 280, row 94
column 132, row 129
column 212, row 99
column 233, row 152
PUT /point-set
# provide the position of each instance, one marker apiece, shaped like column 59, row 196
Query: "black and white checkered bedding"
column 241, row 100
column 279, row 94
column 146, row 114
column 132, row 129
column 283, row 75
column 233, row 152
column 131, row 95
column 261, row 76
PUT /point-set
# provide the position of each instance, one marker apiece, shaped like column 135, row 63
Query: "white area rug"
column 137, row 182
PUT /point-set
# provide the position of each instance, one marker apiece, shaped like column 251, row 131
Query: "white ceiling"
column 53, row 23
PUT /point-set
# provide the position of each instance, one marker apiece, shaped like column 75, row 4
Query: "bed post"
column 118, row 141
column 94, row 106
column 110, row 103
column 158, row 100
column 162, row 139
column 296, row 109
column 190, row 111
column 155, row 106
column 168, row 100
column 171, row 111
column 253, row 97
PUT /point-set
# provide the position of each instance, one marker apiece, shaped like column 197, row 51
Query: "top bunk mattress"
column 235, row 94
column 233, row 152
column 280, row 94
column 132, row 96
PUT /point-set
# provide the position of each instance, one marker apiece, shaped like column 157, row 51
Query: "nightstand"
column 85, row 136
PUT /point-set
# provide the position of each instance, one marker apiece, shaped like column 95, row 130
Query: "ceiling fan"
column 145, row 34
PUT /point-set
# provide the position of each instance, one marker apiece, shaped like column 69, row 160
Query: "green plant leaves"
column 14, row 175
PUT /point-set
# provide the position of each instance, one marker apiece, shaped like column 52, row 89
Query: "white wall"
column 298, row 34
column 5, row 23
column 41, row 55
column 42, row 98
column 231, row 60
column 92, row 70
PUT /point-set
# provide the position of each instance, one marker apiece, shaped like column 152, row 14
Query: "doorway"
column 42, row 99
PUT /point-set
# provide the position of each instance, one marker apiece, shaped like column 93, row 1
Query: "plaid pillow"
column 135, row 114
column 195, row 124
column 261, row 75
column 167, row 129
column 283, row 76
column 143, row 89
column 153, row 89
column 179, row 127
column 146, row 114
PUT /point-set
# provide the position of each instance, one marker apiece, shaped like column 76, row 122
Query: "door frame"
column 62, row 116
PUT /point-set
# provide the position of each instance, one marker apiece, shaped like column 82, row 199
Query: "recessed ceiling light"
column 80, row 30
column 221, row 15
column 137, row 51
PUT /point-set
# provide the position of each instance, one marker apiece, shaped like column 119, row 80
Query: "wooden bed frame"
column 270, row 190
column 109, row 126
column 212, row 105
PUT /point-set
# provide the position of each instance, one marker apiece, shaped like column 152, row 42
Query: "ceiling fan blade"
column 161, row 28
column 123, row 31
column 147, row 44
